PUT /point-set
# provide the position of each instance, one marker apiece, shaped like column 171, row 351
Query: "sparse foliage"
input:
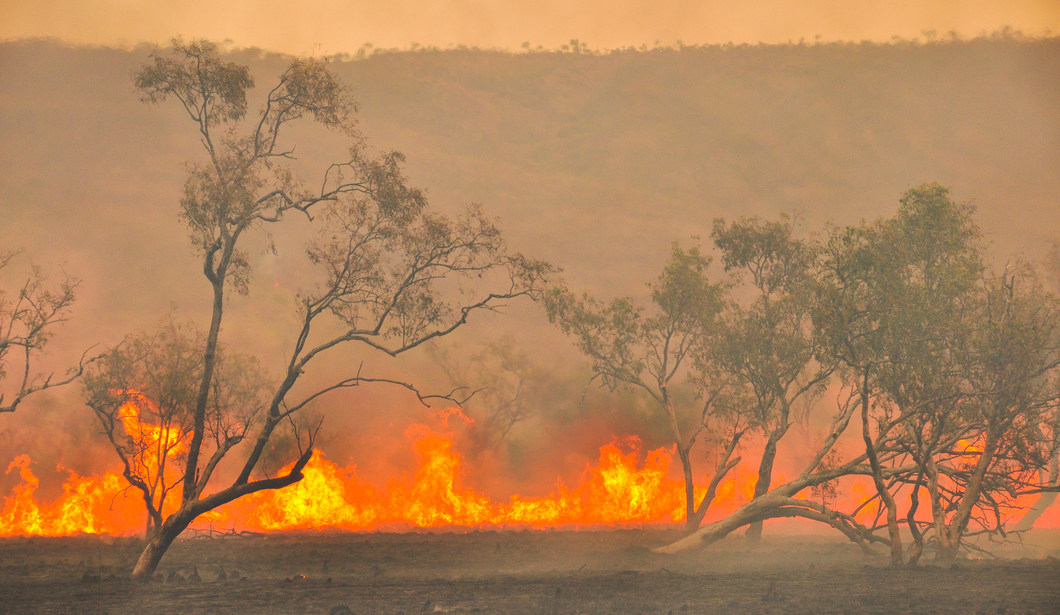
column 28, row 318
column 393, row 273
column 671, row 347
column 143, row 392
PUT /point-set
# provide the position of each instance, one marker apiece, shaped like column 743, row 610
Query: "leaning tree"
column 393, row 274
column 952, row 370
column 143, row 392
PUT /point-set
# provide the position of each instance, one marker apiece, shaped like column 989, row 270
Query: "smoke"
column 334, row 26
column 594, row 162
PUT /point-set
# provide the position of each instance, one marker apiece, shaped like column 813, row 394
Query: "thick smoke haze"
column 334, row 26
column 593, row 162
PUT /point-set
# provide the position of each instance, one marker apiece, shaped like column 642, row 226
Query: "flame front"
column 617, row 490
column 88, row 505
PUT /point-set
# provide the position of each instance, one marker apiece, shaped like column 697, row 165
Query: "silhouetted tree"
column 506, row 384
column 143, row 392
column 27, row 322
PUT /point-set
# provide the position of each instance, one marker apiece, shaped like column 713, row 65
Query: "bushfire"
column 619, row 489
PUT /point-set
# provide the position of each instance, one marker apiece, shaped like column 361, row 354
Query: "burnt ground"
column 549, row 572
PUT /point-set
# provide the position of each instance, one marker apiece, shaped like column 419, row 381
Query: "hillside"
column 595, row 162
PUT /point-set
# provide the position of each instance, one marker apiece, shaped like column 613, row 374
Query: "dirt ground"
column 550, row 572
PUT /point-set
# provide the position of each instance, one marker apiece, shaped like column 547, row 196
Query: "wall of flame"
column 625, row 486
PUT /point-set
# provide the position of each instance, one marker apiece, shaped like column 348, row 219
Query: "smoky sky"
column 336, row 26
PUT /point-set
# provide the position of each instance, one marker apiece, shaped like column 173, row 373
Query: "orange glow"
column 89, row 504
column 618, row 489
column 615, row 491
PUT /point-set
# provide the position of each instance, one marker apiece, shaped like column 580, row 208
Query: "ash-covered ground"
column 552, row 572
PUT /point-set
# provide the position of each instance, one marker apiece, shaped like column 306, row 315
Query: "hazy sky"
column 332, row 26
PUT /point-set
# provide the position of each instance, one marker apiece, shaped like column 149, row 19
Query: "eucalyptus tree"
column 1010, row 365
column 953, row 371
column 893, row 308
column 770, row 344
column 817, row 310
column 670, row 347
column 392, row 273
column 143, row 393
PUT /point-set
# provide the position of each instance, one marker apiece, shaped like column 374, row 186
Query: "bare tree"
column 27, row 322
column 394, row 273
column 661, row 352
column 506, row 385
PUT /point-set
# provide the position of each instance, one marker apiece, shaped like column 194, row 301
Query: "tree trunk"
column 720, row 529
column 910, row 518
column 1044, row 501
column 158, row 544
column 877, row 478
column 765, row 477
column 950, row 539
column 691, row 520
column 191, row 472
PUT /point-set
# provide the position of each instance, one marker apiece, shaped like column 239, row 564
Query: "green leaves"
column 212, row 91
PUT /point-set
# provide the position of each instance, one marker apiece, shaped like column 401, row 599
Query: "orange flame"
column 89, row 504
column 617, row 490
